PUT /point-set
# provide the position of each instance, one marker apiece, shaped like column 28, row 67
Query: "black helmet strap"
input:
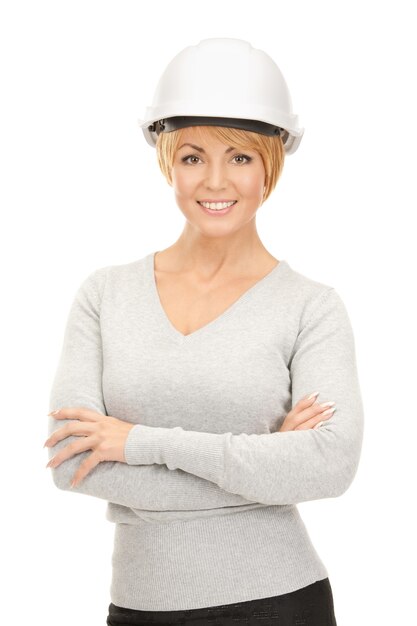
column 182, row 121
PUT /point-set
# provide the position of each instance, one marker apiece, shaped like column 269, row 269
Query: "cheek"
column 250, row 185
column 184, row 182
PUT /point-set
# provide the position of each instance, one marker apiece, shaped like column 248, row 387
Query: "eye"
column 191, row 156
column 194, row 156
column 244, row 156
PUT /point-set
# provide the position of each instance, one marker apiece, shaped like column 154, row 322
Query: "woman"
column 212, row 354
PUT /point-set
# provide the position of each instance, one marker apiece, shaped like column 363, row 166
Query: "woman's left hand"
column 104, row 435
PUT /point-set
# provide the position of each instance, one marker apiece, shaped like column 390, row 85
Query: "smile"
column 217, row 206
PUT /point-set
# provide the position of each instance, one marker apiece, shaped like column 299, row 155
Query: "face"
column 209, row 170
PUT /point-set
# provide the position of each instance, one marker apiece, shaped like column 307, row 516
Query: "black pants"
column 308, row 606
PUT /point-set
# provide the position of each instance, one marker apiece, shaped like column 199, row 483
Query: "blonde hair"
column 270, row 148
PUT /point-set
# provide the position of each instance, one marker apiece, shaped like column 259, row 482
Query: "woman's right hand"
column 306, row 414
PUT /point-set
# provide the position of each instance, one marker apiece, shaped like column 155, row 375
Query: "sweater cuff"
column 145, row 444
column 198, row 453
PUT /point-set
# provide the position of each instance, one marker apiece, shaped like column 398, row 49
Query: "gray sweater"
column 205, row 506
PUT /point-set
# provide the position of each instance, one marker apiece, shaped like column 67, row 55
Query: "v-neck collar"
column 174, row 332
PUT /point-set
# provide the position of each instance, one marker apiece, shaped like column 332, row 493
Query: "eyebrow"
column 201, row 149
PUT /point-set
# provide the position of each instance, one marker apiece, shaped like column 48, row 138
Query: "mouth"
column 217, row 207
column 216, row 204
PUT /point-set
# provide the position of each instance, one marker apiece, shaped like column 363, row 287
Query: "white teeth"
column 216, row 206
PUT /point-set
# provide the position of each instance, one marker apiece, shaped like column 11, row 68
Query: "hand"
column 104, row 435
column 307, row 414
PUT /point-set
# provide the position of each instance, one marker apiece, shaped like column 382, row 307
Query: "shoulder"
column 112, row 278
column 116, row 272
column 312, row 297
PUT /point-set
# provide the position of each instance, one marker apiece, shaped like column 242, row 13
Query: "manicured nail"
column 317, row 425
column 54, row 412
column 316, row 393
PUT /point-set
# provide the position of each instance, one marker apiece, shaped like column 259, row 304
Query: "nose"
column 216, row 176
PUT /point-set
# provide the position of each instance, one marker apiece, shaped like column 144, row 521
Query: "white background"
column 81, row 189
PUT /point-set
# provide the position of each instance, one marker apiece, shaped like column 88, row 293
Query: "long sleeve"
column 287, row 467
column 78, row 382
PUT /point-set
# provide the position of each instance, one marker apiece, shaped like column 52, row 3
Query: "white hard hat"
column 223, row 81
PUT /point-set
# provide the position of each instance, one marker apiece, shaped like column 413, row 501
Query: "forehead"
column 200, row 136
column 202, row 132
column 206, row 139
column 210, row 146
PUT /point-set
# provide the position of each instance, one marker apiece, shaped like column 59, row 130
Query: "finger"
column 311, row 412
column 313, row 422
column 308, row 400
column 298, row 414
column 85, row 467
column 71, row 428
column 75, row 447
column 302, row 405
column 78, row 413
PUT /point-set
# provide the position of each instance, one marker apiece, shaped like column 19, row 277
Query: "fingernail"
column 54, row 412
column 316, row 393
column 317, row 425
